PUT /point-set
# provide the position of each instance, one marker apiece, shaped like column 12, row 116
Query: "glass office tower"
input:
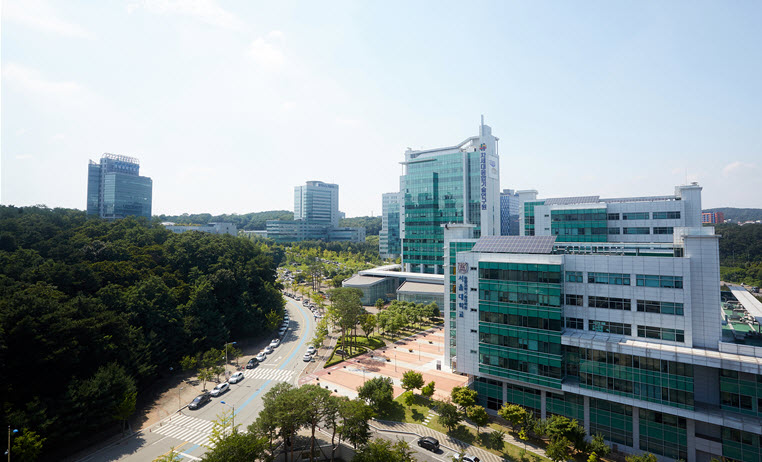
column 317, row 203
column 389, row 243
column 457, row 184
column 116, row 190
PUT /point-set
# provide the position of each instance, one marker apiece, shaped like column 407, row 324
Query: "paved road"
column 188, row 431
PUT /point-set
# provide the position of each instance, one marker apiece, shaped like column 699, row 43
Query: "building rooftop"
column 358, row 280
column 421, row 288
column 515, row 244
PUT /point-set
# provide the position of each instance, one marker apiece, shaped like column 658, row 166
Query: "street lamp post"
column 9, row 441
column 232, row 424
column 226, row 358
column 179, row 399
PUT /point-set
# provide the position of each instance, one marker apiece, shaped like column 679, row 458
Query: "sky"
column 230, row 104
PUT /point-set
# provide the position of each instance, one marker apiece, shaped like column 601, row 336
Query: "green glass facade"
column 741, row 446
column 612, row 420
column 520, row 322
column 741, row 392
column 434, row 195
column 663, row 434
column 567, row 404
column 529, row 216
column 579, row 225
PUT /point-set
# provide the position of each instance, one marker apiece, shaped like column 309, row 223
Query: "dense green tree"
column 412, row 380
column 559, row 450
column 496, row 440
column 237, row 446
column 449, row 416
column 354, row 426
column 378, row 392
column 562, row 427
column 645, row 457
column 515, row 415
column 379, row 450
column 346, row 309
column 598, row 446
column 428, row 390
column 368, row 323
column 478, row 416
column 27, row 446
column 464, row 397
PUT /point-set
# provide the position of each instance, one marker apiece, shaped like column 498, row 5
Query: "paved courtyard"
column 392, row 361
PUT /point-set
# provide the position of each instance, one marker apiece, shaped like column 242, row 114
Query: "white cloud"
column 29, row 80
column 275, row 35
column 39, row 15
column 206, row 11
column 266, row 54
column 736, row 167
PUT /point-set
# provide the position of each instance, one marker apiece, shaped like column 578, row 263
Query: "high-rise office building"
column 115, row 188
column 317, row 203
column 389, row 242
column 509, row 213
column 630, row 338
column 456, row 184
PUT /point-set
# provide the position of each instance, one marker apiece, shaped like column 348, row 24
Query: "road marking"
column 280, row 375
column 188, row 429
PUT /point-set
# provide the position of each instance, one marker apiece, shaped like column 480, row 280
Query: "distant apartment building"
column 454, row 184
column 624, row 332
column 509, row 213
column 712, row 218
column 389, row 242
column 212, row 228
column 316, row 217
column 115, row 188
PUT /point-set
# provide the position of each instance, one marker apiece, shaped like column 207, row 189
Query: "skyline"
column 230, row 105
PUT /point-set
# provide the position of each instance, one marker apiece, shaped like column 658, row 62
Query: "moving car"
column 200, row 400
column 237, row 377
column 427, row 442
column 268, row 349
column 220, row 389
column 275, row 343
column 261, row 356
column 253, row 362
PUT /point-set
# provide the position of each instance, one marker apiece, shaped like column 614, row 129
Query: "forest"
column 92, row 312
column 741, row 253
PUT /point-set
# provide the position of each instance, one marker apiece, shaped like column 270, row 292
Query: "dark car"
column 252, row 363
column 429, row 443
column 200, row 400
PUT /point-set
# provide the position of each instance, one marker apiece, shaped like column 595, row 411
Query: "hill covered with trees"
column 91, row 312
column 741, row 253
column 372, row 224
column 247, row 221
column 738, row 215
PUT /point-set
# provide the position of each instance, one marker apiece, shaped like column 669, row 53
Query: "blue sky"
column 229, row 105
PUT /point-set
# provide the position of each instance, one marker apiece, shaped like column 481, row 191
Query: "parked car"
column 470, row 458
column 236, row 377
column 427, row 442
column 268, row 349
column 252, row 363
column 307, row 357
column 282, row 331
column 200, row 400
column 311, row 350
column 220, row 389
column 275, row 343
column 261, row 356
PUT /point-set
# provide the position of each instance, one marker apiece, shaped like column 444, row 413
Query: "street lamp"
column 9, row 441
column 232, row 424
column 179, row 400
column 226, row 357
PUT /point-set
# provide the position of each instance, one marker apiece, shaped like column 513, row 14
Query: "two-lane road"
column 188, row 431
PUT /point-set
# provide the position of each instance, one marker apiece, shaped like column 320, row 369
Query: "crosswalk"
column 187, row 428
column 264, row 373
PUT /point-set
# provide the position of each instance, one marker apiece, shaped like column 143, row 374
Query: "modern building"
column 212, row 228
column 627, row 219
column 389, row 283
column 316, row 217
column 626, row 337
column 115, row 188
column 389, row 242
column 712, row 218
column 509, row 213
column 455, row 184
column 317, row 203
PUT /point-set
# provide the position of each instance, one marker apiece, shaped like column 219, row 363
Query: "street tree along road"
column 188, row 431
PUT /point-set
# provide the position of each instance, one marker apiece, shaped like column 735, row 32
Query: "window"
column 655, row 280
column 635, row 216
column 666, row 215
column 612, row 216
column 661, row 333
column 610, row 327
column 574, row 276
column 653, row 306
column 574, row 300
column 663, row 230
column 613, row 230
column 637, row 230
column 608, row 302
column 575, row 323
column 617, row 279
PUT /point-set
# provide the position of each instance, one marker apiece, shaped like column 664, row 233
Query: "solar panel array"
column 572, row 200
column 515, row 244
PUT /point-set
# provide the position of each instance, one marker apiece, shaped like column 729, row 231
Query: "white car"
column 275, row 343
column 307, row 357
column 220, row 389
column 235, row 378
column 311, row 350
column 282, row 331
column 268, row 349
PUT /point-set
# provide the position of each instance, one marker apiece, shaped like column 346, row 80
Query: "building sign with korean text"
column 483, row 167
column 462, row 291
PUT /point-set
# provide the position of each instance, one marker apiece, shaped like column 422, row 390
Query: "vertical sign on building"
column 462, row 292
column 483, row 166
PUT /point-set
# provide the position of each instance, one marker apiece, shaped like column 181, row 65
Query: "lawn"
column 361, row 345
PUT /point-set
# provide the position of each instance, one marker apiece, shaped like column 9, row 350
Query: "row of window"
column 644, row 216
column 623, row 279
column 619, row 328
column 642, row 230
column 532, row 322
column 529, row 367
column 548, row 277
column 644, row 391
column 575, row 355
column 646, row 306
column 511, row 341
